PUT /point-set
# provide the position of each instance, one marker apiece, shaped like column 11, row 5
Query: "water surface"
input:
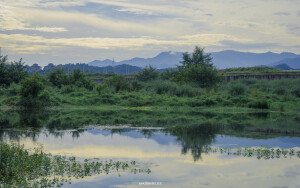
column 174, row 153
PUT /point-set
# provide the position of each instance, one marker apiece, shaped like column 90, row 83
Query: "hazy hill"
column 294, row 63
column 283, row 67
column 161, row 61
column 223, row 59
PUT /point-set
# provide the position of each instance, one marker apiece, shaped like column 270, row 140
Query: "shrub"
column 236, row 89
column 31, row 86
column 117, row 83
column 185, row 91
column 85, row 83
column 58, row 77
column 163, row 87
column 44, row 98
column 67, row 89
column 13, row 89
column 296, row 92
column 135, row 86
column 262, row 104
column 108, row 99
column 102, row 88
column 201, row 101
column 227, row 103
column 239, row 100
column 279, row 91
column 147, row 74
column 135, row 102
column 168, row 74
column 209, row 102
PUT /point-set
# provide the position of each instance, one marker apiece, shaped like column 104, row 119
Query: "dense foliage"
column 31, row 86
column 147, row 74
column 59, row 78
column 115, row 83
column 11, row 72
column 194, row 84
column 198, row 68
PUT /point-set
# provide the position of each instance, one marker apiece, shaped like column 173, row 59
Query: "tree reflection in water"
column 195, row 138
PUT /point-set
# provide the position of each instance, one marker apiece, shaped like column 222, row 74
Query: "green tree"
column 168, row 74
column 11, row 71
column 32, row 94
column 16, row 71
column 117, row 82
column 80, row 80
column 77, row 75
column 4, row 79
column 147, row 74
column 198, row 58
column 198, row 68
column 58, row 77
column 31, row 86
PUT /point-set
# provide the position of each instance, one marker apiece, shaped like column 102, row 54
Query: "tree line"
column 195, row 81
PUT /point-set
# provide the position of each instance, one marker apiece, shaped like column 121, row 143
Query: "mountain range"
column 222, row 60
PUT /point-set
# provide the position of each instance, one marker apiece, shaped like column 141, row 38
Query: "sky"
column 72, row 31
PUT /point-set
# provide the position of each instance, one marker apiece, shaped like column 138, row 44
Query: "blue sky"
column 69, row 31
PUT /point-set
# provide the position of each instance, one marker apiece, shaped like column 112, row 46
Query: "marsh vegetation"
column 196, row 83
column 188, row 109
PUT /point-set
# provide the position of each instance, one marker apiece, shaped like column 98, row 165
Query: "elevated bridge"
column 268, row 76
column 234, row 76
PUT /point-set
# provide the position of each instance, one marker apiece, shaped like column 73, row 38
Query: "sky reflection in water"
column 171, row 159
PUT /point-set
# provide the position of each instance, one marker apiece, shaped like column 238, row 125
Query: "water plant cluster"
column 258, row 152
column 21, row 167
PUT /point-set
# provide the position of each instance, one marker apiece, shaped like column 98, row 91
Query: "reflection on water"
column 176, row 154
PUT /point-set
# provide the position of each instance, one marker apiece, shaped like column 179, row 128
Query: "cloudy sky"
column 70, row 31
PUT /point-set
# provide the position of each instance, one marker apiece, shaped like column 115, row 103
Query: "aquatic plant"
column 21, row 167
column 258, row 152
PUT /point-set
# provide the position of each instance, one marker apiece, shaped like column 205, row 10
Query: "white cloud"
column 50, row 29
column 168, row 25
column 44, row 3
column 135, row 11
column 34, row 43
column 96, row 21
column 10, row 19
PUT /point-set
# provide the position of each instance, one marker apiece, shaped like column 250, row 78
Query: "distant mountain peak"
column 287, row 53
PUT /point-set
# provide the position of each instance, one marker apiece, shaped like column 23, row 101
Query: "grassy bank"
column 276, row 95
